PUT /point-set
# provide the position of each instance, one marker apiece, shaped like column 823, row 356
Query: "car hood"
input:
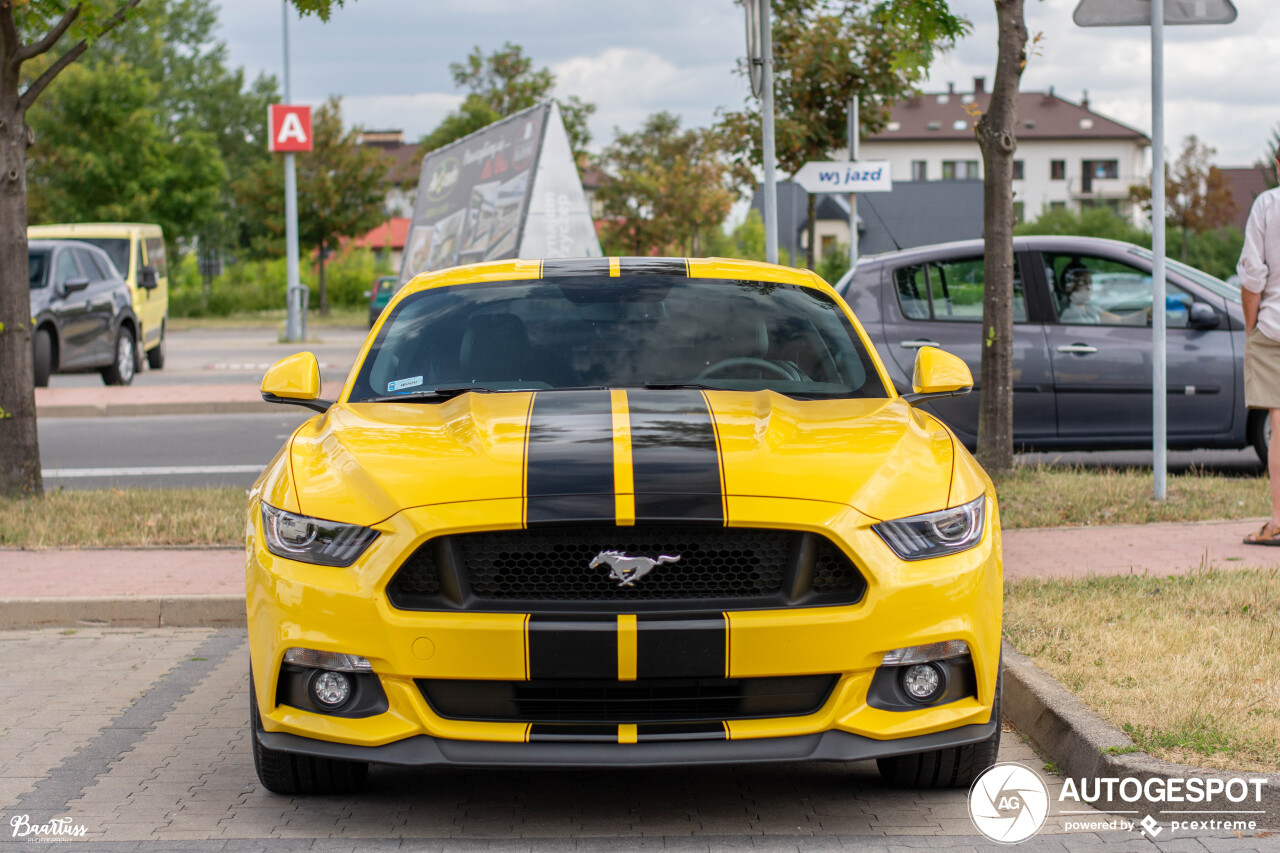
column 569, row 455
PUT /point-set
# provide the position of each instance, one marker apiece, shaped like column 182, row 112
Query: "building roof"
column 403, row 162
column 1246, row 184
column 393, row 233
column 1041, row 115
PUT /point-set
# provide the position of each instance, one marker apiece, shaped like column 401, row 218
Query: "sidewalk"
column 1159, row 549
column 136, row 400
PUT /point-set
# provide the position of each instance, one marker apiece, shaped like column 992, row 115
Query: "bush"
column 260, row 285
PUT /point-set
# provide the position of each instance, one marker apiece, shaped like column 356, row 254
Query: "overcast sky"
column 389, row 60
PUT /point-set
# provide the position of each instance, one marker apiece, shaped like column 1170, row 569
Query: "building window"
column 1057, row 170
column 828, row 244
column 1019, row 211
column 919, row 170
column 960, row 170
column 1017, row 170
column 1091, row 170
column 1057, row 205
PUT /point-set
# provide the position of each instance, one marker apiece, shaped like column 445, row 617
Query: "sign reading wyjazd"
column 509, row 190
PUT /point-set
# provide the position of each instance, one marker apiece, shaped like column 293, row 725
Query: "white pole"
column 292, row 331
column 766, row 114
column 853, row 197
column 1159, row 392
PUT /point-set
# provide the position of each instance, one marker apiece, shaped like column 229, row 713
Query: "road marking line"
column 71, row 473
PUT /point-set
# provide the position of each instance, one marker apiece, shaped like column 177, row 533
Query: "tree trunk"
column 813, row 229
column 19, row 447
column 324, row 292
column 995, row 132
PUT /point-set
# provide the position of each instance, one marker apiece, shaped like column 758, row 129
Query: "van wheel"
column 123, row 365
column 289, row 773
column 1259, row 433
column 42, row 357
column 155, row 355
column 955, row 767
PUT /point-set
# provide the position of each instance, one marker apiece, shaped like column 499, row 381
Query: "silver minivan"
column 1081, row 341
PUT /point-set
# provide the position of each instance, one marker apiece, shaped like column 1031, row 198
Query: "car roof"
column 1060, row 242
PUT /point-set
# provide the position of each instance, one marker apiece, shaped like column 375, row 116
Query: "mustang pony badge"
column 627, row 570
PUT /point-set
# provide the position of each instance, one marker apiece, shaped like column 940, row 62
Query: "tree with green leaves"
column 666, row 187
column 1197, row 198
column 29, row 32
column 824, row 53
column 340, row 190
column 497, row 85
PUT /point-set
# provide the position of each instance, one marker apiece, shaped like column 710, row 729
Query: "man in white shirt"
column 1259, row 271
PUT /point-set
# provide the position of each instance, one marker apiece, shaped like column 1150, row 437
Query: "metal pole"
column 766, row 113
column 292, row 330
column 1159, row 393
column 853, row 197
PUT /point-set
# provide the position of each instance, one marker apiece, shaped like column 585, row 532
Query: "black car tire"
column 155, row 355
column 1258, row 433
column 123, row 359
column 289, row 773
column 42, row 357
column 955, row 767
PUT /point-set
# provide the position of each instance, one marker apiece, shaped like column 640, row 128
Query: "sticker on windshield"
column 401, row 384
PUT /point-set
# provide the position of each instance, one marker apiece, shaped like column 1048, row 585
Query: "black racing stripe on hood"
column 562, row 267
column 569, row 459
column 675, row 460
column 653, row 266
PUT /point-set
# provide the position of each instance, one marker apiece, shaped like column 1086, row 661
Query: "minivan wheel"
column 122, row 366
column 1259, row 428
column 290, row 773
column 955, row 767
column 43, row 357
column 155, row 355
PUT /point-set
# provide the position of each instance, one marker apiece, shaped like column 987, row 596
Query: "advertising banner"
column 479, row 197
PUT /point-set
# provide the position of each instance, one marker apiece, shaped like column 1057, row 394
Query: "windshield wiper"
column 444, row 392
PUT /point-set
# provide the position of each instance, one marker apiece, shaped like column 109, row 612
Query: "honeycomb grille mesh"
column 555, row 565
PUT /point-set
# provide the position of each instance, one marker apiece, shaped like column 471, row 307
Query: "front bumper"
column 346, row 610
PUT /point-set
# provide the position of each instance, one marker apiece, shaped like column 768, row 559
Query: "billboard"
column 509, row 190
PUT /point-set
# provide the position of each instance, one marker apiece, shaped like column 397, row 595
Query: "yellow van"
column 137, row 250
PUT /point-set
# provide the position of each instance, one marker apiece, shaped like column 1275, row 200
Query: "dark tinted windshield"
column 620, row 332
column 37, row 264
column 116, row 248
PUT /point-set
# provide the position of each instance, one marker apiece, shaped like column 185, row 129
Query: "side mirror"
column 71, row 285
column 938, row 374
column 149, row 281
column 1203, row 317
column 295, row 379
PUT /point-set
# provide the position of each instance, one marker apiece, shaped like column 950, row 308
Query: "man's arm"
column 1252, row 267
column 1250, row 302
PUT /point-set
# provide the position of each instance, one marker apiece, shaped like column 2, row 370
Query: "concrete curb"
column 107, row 410
column 120, row 611
column 1060, row 724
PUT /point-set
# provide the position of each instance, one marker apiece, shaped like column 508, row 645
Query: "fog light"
column 330, row 689
column 923, row 682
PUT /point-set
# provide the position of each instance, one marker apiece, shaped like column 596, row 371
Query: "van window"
column 950, row 291
column 37, row 263
column 155, row 256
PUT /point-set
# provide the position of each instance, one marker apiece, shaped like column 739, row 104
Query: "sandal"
column 1269, row 534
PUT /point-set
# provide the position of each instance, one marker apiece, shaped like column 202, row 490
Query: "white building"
column 1068, row 156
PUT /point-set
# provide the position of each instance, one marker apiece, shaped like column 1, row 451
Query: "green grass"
column 1188, row 666
column 1045, row 496
column 113, row 518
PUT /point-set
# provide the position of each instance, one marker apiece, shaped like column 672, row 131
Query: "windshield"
column 37, row 263
column 1200, row 277
column 597, row 331
column 116, row 248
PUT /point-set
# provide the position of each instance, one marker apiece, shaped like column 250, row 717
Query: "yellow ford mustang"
column 621, row 511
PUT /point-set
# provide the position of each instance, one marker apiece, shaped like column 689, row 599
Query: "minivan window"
column 37, row 266
column 1094, row 291
column 950, row 291
column 117, row 248
column 65, row 268
column 90, row 266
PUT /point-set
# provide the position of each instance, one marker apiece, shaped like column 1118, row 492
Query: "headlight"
column 947, row 531
column 313, row 540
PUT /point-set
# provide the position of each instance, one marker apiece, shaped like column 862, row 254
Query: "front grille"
column 550, row 568
column 658, row 700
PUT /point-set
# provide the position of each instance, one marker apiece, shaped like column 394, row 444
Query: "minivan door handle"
column 1081, row 349
column 916, row 344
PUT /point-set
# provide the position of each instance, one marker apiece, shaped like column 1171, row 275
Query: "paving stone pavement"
column 140, row 737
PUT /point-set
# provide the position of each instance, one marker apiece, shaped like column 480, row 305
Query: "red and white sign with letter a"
column 290, row 128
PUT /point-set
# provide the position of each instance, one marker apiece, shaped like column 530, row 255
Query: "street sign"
column 1137, row 13
column 864, row 176
column 289, row 128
